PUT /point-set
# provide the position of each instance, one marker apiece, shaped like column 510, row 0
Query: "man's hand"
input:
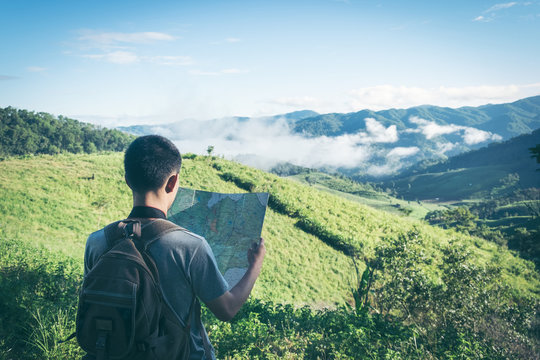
column 228, row 304
column 256, row 253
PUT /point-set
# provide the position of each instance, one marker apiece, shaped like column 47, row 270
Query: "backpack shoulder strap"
column 159, row 227
column 122, row 229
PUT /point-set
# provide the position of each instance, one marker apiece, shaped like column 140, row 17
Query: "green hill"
column 499, row 168
column 25, row 132
column 426, row 293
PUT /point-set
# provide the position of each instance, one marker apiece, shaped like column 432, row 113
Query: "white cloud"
column 114, row 38
column 431, row 129
column 474, row 136
column 232, row 40
column 270, row 141
column 129, row 57
column 377, row 133
column 400, row 152
column 491, row 12
column 470, row 135
column 482, row 18
column 502, row 6
column 116, row 57
column 390, row 96
column 443, row 148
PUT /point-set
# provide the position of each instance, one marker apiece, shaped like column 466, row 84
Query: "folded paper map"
column 231, row 223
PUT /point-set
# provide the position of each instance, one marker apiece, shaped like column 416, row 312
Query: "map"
column 229, row 222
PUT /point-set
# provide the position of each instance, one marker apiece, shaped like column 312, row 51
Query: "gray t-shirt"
column 187, row 268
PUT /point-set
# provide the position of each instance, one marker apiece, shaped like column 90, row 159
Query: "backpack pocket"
column 106, row 317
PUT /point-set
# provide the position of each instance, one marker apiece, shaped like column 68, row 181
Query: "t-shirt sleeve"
column 207, row 281
column 96, row 245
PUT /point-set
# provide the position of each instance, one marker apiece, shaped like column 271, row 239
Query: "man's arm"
column 227, row 305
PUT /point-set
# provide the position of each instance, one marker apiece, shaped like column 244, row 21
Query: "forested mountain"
column 388, row 140
column 489, row 171
column 27, row 132
column 506, row 120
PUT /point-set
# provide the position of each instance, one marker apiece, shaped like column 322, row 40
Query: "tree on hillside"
column 535, row 151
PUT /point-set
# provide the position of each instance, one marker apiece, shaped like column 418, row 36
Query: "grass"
column 51, row 203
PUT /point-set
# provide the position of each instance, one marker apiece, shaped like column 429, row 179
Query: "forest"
column 25, row 132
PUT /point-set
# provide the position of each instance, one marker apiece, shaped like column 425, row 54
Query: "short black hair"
column 149, row 161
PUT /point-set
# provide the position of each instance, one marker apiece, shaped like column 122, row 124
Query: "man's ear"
column 126, row 180
column 171, row 183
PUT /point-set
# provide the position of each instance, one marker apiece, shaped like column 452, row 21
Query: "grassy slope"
column 53, row 203
column 50, row 204
column 364, row 227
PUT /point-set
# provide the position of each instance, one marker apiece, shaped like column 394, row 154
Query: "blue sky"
column 149, row 62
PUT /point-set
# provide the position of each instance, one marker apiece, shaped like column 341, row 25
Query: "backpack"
column 121, row 312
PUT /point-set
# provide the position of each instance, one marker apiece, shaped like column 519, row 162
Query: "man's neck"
column 151, row 199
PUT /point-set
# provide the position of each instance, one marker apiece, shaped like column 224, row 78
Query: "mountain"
column 494, row 169
column 290, row 118
column 368, row 145
column 506, row 120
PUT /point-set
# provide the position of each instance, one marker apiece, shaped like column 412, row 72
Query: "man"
column 185, row 262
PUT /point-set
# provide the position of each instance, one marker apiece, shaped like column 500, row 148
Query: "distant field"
column 451, row 185
column 381, row 201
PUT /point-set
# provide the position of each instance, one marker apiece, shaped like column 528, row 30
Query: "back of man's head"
column 149, row 161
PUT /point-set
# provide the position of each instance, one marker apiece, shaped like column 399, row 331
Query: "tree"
column 210, row 150
column 535, row 151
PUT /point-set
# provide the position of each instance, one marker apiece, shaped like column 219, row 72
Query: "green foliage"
column 462, row 308
column 264, row 330
column 23, row 132
column 535, row 151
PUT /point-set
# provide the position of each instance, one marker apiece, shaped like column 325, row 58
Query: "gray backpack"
column 121, row 312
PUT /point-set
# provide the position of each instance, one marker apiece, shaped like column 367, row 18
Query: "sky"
column 150, row 62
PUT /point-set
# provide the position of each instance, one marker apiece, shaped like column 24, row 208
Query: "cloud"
column 377, row 133
column 431, row 129
column 128, row 57
column 470, row 135
column 400, row 152
column 389, row 96
column 502, row 6
column 116, row 57
column 490, row 14
column 474, row 136
column 8, row 77
column 443, row 148
column 482, row 18
column 268, row 140
column 232, row 40
column 115, row 38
